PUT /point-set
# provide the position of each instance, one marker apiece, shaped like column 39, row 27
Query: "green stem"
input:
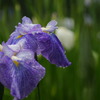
column 38, row 86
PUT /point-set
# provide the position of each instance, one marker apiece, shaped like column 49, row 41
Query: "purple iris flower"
column 19, row 71
column 41, row 40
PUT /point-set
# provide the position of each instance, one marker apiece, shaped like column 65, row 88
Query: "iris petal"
column 52, row 23
column 13, row 38
column 28, row 41
column 25, row 54
column 51, row 49
column 26, row 20
column 7, row 51
column 6, row 71
column 58, row 41
column 25, row 79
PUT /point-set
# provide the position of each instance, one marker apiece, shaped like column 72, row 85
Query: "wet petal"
column 25, row 79
column 7, row 51
column 13, row 38
column 51, row 49
column 58, row 41
column 6, row 71
column 28, row 41
column 15, row 47
column 22, row 29
column 25, row 54
column 29, row 29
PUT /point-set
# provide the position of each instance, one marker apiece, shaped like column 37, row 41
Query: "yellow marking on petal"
column 19, row 36
column 1, row 47
column 16, row 63
column 14, row 58
column 46, row 31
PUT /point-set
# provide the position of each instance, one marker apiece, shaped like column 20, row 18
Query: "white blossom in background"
column 66, row 37
column 88, row 19
column 87, row 2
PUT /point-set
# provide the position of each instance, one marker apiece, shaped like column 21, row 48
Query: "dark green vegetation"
column 80, row 81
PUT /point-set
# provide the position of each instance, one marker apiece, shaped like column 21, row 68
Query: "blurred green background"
column 81, row 80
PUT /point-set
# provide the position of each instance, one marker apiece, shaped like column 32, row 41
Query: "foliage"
column 81, row 80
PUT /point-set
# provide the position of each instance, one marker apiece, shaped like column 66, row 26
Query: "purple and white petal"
column 7, row 51
column 14, row 38
column 22, row 29
column 6, row 71
column 25, row 54
column 51, row 49
column 29, row 29
column 28, row 42
column 26, row 78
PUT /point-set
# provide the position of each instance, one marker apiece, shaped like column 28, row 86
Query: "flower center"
column 45, row 29
column 14, row 59
column 19, row 36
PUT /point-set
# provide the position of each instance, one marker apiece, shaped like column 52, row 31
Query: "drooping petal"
column 6, row 71
column 51, row 49
column 25, row 79
column 58, row 41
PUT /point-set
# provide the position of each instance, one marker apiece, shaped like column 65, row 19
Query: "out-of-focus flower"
column 88, row 19
column 67, row 22
column 87, row 2
column 19, row 71
column 66, row 37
